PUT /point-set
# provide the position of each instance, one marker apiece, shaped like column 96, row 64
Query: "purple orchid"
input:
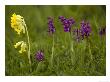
column 83, row 32
column 51, row 27
column 39, row 56
column 85, row 29
column 67, row 23
column 76, row 32
column 102, row 31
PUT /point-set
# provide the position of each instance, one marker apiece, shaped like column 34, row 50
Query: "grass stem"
column 28, row 45
column 52, row 51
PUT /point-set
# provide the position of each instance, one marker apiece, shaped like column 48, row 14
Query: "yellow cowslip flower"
column 18, row 23
column 23, row 46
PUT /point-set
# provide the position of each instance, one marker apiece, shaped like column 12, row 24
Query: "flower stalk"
column 28, row 45
column 51, row 30
column 71, row 49
column 52, row 50
column 19, row 25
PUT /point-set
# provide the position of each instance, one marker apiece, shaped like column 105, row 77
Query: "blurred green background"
column 87, row 61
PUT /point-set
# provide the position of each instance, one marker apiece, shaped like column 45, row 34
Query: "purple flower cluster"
column 39, row 56
column 51, row 27
column 83, row 32
column 85, row 29
column 76, row 33
column 102, row 31
column 67, row 23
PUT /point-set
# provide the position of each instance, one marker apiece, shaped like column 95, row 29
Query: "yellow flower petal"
column 18, row 23
column 23, row 46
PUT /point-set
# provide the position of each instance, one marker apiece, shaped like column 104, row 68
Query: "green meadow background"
column 89, row 57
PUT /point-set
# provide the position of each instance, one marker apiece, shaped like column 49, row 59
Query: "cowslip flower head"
column 39, row 55
column 51, row 27
column 67, row 23
column 18, row 23
column 23, row 46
